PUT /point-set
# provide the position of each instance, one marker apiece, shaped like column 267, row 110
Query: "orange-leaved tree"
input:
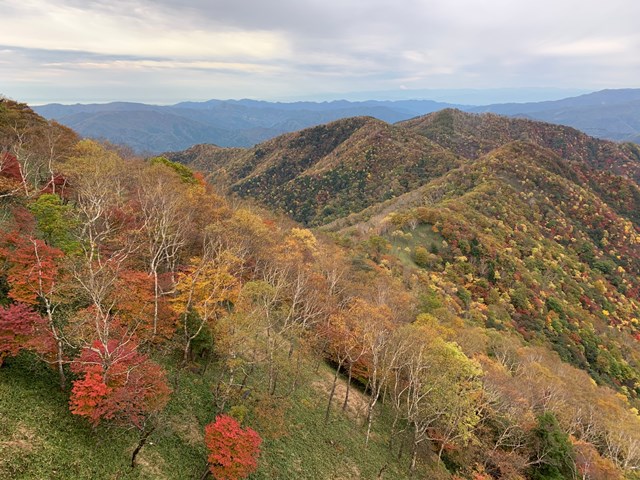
column 35, row 279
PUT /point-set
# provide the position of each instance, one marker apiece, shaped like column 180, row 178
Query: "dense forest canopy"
column 481, row 322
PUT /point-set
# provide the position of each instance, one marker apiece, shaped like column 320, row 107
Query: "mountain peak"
column 472, row 135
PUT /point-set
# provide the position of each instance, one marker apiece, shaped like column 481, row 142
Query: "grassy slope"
column 40, row 439
column 421, row 235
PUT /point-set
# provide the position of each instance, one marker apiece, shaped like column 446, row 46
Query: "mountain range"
column 152, row 128
column 322, row 173
column 609, row 114
column 461, row 286
column 491, row 197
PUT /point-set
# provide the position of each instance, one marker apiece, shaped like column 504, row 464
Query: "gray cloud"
column 283, row 48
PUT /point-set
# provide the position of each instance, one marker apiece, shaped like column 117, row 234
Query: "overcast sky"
column 164, row 51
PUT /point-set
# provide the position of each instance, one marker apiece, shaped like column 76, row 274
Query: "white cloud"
column 295, row 47
column 44, row 24
column 155, row 65
column 588, row 48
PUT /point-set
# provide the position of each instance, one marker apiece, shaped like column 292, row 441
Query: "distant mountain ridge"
column 229, row 123
column 608, row 114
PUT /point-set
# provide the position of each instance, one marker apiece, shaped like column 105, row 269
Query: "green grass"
column 421, row 235
column 335, row 450
column 41, row 439
column 313, row 449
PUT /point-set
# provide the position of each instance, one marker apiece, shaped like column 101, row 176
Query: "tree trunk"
column 225, row 396
column 60, row 362
column 59, row 347
column 206, row 473
column 143, row 440
column 320, row 358
column 333, row 391
column 393, row 429
column 369, row 422
column 441, row 451
column 243, row 384
column 414, row 452
column 346, row 395
column 369, row 412
column 414, row 457
column 185, row 356
column 209, row 354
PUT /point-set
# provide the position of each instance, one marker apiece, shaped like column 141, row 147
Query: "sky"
column 165, row 51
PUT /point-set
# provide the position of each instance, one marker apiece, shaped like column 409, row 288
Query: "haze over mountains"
column 609, row 114
column 231, row 123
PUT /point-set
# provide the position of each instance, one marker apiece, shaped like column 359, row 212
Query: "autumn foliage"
column 233, row 450
column 444, row 306
column 33, row 270
column 117, row 383
column 20, row 328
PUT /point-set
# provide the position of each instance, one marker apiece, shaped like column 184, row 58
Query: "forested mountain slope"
column 472, row 135
column 478, row 323
column 328, row 171
column 611, row 114
column 521, row 237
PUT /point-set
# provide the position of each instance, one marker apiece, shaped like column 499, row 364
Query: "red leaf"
column 233, row 450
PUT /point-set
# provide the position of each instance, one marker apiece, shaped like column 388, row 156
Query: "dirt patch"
column 152, row 463
column 357, row 403
column 347, row 472
column 188, row 429
column 23, row 440
column 17, row 449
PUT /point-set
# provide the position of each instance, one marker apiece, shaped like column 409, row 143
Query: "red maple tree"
column 33, row 267
column 117, row 383
column 21, row 328
column 233, row 450
column 9, row 167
